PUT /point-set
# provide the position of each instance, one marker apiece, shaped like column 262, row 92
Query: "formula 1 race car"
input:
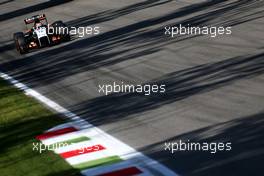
column 40, row 34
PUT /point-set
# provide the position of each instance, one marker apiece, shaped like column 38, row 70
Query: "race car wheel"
column 20, row 42
column 64, row 34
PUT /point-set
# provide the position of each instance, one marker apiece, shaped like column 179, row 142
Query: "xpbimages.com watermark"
column 79, row 31
column 39, row 147
column 146, row 89
column 212, row 31
column 212, row 147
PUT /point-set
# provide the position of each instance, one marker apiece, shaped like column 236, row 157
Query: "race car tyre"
column 65, row 33
column 20, row 42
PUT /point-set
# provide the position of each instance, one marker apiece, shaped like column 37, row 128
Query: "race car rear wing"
column 33, row 18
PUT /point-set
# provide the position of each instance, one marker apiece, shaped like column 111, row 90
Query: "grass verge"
column 21, row 119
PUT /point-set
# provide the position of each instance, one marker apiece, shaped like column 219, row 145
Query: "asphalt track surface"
column 214, row 86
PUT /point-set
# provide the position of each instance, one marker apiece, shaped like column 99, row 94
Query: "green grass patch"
column 21, row 119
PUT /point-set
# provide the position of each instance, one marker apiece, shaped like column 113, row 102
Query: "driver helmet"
column 37, row 23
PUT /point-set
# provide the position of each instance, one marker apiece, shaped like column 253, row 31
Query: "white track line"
column 158, row 168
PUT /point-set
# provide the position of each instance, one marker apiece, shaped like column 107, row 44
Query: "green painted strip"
column 69, row 142
column 98, row 162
